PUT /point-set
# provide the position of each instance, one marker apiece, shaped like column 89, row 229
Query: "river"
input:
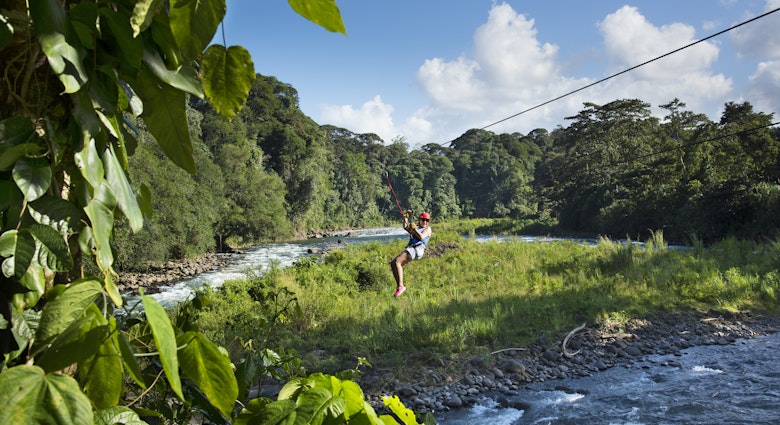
column 737, row 383
column 261, row 257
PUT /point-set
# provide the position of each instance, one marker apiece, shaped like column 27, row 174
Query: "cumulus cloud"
column 764, row 87
column 373, row 116
column 759, row 40
column 508, row 80
column 511, row 72
column 630, row 40
column 376, row 116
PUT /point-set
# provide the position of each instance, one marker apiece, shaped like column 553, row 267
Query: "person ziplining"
column 419, row 235
column 418, row 238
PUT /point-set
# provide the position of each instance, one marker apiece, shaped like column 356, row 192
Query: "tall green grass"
column 477, row 297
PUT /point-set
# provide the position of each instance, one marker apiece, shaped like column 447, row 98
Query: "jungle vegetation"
column 615, row 170
column 127, row 138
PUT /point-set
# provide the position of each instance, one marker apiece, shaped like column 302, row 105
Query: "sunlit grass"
column 477, row 297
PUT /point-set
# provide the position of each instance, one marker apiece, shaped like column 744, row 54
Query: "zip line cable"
column 631, row 69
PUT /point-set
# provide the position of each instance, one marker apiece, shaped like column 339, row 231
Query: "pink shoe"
column 399, row 291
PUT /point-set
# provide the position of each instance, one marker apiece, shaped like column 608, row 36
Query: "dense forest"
column 272, row 173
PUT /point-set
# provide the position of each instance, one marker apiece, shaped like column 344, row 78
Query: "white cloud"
column 764, row 87
column 374, row 116
column 630, row 40
column 512, row 71
column 760, row 39
column 451, row 84
column 507, row 49
column 509, row 72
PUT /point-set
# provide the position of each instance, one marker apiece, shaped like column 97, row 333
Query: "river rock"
column 514, row 366
column 454, row 401
column 406, row 391
column 633, row 351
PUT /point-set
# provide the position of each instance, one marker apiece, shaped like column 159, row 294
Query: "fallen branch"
column 566, row 340
column 508, row 349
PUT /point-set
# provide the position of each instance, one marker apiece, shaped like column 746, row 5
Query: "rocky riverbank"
column 163, row 274
column 593, row 349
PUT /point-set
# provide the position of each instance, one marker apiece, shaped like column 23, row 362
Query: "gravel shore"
column 158, row 276
column 594, row 348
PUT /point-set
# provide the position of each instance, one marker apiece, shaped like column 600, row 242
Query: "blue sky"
column 429, row 70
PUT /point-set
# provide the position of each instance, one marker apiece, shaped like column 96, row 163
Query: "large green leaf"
column 101, row 375
column 22, row 324
column 165, row 116
column 61, row 215
column 118, row 22
column 18, row 248
column 30, row 396
column 121, row 188
column 164, row 340
column 59, row 42
column 227, row 77
column 77, row 343
column 324, row 13
column 262, row 411
column 294, row 387
column 32, row 176
column 9, row 156
column 34, row 279
column 117, row 415
column 402, row 412
column 53, row 251
column 128, row 359
column 317, row 404
column 17, row 138
column 194, row 23
column 353, row 395
column 15, row 130
column 109, row 284
column 84, row 17
column 104, row 91
column 62, row 311
column 184, row 78
column 143, row 14
column 203, row 363
column 89, row 163
column 247, row 374
column 102, row 219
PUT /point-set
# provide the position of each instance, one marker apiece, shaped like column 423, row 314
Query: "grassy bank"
column 468, row 298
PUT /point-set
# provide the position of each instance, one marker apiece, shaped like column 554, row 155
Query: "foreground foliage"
column 81, row 79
